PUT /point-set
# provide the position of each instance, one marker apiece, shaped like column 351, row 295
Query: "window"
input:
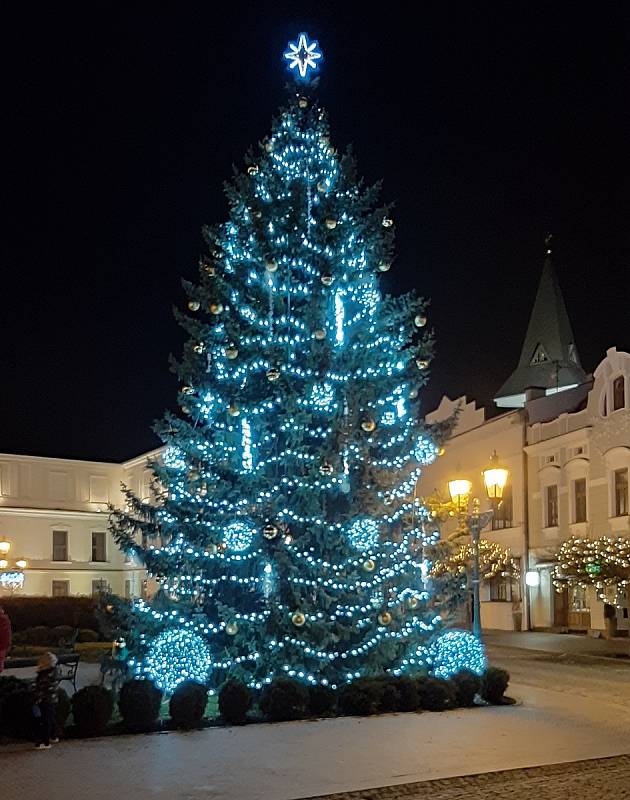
column 539, row 356
column 503, row 516
column 98, row 586
column 577, row 599
column 503, row 589
column 98, row 546
column 621, row 492
column 619, row 393
column 60, row 546
column 579, row 496
column 605, row 405
column 60, row 588
column 551, row 496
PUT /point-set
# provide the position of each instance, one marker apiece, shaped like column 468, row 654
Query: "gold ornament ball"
column 252, row 169
column 231, row 629
column 320, row 334
column 385, row 618
column 271, row 265
column 270, row 531
column 273, row 373
column 422, row 363
column 387, row 222
column 420, row 321
column 369, row 565
column 412, row 602
column 231, row 352
column 384, row 266
column 331, row 223
column 187, row 390
column 208, row 268
column 216, row 308
column 193, row 474
column 298, row 619
column 368, row 425
column 302, row 102
column 326, row 468
column 233, row 410
column 327, row 279
column 194, row 305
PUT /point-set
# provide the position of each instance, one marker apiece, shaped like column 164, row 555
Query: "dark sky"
column 489, row 123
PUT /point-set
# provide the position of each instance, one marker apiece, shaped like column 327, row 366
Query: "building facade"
column 53, row 514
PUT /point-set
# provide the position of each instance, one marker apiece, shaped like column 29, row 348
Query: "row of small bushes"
column 41, row 636
column 50, row 612
column 139, row 701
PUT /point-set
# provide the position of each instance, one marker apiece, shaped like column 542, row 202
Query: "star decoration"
column 303, row 55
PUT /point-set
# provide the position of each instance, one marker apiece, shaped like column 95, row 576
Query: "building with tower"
column 565, row 438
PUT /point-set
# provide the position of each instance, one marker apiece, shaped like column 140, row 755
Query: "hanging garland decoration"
column 493, row 560
column 593, row 562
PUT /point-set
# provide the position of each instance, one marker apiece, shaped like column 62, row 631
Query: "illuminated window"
column 579, row 496
column 539, row 356
column 621, row 492
column 551, row 497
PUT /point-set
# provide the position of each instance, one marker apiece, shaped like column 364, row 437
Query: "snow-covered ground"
column 568, row 712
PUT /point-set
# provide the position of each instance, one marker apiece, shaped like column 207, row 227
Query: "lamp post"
column 494, row 478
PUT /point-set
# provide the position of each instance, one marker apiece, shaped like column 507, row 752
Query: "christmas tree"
column 284, row 533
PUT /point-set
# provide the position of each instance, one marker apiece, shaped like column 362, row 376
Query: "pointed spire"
column 549, row 359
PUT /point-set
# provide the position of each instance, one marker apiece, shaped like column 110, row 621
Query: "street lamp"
column 5, row 546
column 494, row 478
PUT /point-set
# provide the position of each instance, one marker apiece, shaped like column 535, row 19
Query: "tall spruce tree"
column 284, row 534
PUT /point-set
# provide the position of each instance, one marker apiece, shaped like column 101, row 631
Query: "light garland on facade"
column 593, row 562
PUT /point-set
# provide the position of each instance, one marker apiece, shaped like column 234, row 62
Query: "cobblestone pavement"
column 603, row 778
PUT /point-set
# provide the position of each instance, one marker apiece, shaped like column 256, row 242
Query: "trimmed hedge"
column 466, row 685
column 92, row 709
column 362, row 698
column 434, row 694
column 494, row 682
column 50, row 612
column 284, row 699
column 16, row 707
column 235, row 700
column 322, row 701
column 139, row 705
column 188, row 704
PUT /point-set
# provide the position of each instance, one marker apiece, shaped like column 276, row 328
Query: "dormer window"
column 618, row 393
column 539, row 356
column 573, row 356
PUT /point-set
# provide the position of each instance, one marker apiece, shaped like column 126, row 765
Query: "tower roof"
column 549, row 359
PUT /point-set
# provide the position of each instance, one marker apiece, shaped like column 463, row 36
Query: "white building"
column 566, row 442
column 53, row 512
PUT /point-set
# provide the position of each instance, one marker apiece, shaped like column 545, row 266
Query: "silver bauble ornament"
column 271, row 265
column 231, row 629
column 252, row 169
column 326, row 468
column 194, row 305
column 327, row 279
column 231, row 352
column 273, row 373
column 270, row 531
column 420, row 321
column 387, row 222
column 384, row 266
column 330, row 223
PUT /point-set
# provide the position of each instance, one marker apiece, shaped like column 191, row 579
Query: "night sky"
column 489, row 124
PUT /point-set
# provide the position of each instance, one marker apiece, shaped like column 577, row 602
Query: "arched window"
column 618, row 393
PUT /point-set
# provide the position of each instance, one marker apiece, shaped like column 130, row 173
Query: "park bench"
column 67, row 664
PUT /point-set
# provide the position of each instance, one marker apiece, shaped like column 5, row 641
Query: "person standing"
column 46, row 695
column 5, row 636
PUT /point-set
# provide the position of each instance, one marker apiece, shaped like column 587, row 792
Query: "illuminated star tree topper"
column 303, row 56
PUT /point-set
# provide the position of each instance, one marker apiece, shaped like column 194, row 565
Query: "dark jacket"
column 47, row 685
column 5, row 632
